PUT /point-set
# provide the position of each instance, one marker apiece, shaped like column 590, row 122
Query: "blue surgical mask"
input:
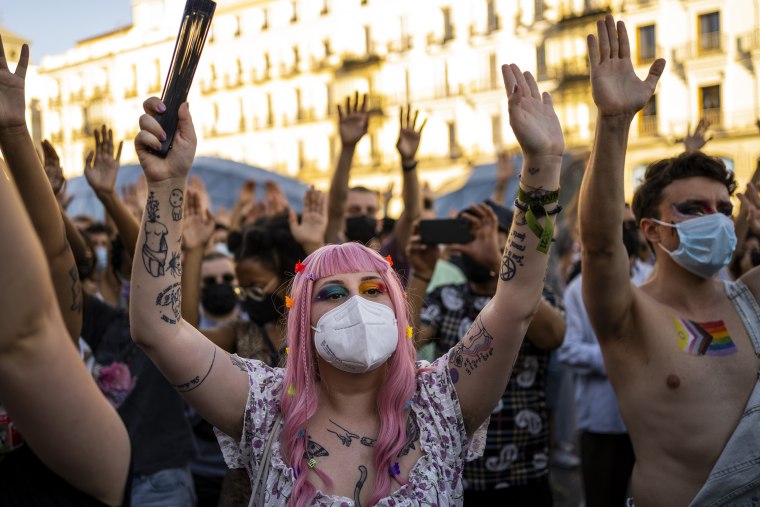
column 222, row 249
column 101, row 258
column 707, row 243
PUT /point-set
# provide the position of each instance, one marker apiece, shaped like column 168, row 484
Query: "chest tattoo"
column 704, row 338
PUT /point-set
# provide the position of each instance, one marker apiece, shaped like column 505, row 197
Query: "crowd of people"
column 177, row 356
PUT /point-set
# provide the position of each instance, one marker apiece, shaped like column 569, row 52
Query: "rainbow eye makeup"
column 372, row 287
column 331, row 292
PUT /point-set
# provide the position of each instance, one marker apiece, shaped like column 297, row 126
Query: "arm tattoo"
column 412, row 434
column 348, row 436
column 475, row 349
column 154, row 249
column 513, row 256
column 76, row 290
column 176, row 199
column 238, row 362
column 197, row 381
column 169, row 302
column 314, row 450
column 359, row 484
column 175, row 265
column 533, row 170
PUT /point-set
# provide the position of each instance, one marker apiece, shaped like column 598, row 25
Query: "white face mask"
column 357, row 336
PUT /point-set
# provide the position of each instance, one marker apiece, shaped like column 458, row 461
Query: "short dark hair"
column 270, row 241
column 362, row 189
column 662, row 173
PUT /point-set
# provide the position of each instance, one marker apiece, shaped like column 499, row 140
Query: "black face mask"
column 474, row 271
column 266, row 311
column 631, row 240
column 754, row 257
column 361, row 228
column 218, row 299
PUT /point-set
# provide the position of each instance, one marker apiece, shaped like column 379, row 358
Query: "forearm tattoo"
column 513, row 256
column 76, row 290
column 197, row 381
column 175, row 265
column 169, row 302
column 154, row 248
column 475, row 349
column 176, row 199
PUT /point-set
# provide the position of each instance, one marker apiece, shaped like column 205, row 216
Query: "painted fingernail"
column 515, row 90
column 161, row 107
column 162, row 137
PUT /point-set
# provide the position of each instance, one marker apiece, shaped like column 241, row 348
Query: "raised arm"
column 198, row 227
column 37, row 194
column 100, row 170
column 212, row 382
column 480, row 365
column 45, row 387
column 310, row 231
column 618, row 95
column 352, row 125
column 408, row 144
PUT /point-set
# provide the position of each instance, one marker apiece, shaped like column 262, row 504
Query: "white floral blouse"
column 436, row 478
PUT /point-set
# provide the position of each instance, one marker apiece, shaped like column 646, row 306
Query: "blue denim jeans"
column 172, row 487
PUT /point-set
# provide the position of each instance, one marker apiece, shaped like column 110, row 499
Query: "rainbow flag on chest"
column 704, row 338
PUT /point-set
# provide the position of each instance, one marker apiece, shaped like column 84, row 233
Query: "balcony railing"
column 748, row 41
column 492, row 25
column 569, row 69
column 648, row 125
column 290, row 70
column 208, row 87
column 448, row 35
column 400, row 45
column 713, row 43
column 231, row 82
column 713, row 116
column 591, row 9
column 353, row 61
column 260, row 76
column 56, row 101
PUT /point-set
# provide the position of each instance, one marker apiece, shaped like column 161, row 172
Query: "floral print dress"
column 436, row 478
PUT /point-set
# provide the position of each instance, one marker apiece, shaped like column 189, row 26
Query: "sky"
column 53, row 26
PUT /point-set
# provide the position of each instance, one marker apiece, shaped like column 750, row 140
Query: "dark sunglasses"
column 227, row 279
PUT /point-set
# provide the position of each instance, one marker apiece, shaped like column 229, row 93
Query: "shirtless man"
column 682, row 387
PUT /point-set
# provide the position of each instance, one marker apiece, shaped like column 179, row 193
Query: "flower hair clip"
column 389, row 261
column 300, row 266
column 288, row 302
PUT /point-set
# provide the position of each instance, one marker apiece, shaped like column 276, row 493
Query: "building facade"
column 273, row 72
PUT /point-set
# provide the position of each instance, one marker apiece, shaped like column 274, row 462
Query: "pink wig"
column 301, row 369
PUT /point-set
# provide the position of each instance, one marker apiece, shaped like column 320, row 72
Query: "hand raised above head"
column 353, row 122
column 179, row 160
column 616, row 89
column 12, row 102
column 531, row 114
column 52, row 166
column 408, row 135
column 101, row 166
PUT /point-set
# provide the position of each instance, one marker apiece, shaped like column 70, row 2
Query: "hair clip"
column 408, row 404
column 311, row 277
column 287, row 351
column 389, row 261
column 409, row 332
column 394, row 469
column 291, row 390
column 312, row 463
column 288, row 302
column 299, row 266
column 301, row 434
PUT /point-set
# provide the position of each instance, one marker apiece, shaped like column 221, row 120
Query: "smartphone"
column 445, row 230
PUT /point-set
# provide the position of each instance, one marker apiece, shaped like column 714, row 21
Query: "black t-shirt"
column 26, row 482
column 151, row 409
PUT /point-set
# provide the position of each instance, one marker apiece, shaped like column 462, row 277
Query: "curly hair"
column 662, row 173
column 270, row 241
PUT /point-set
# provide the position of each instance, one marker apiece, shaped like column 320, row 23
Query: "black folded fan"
column 196, row 21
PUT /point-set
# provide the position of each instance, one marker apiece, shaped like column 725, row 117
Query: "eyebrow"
column 340, row 282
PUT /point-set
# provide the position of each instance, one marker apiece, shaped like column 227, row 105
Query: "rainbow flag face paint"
column 704, row 338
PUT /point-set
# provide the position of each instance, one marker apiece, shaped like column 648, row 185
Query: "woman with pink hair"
column 351, row 419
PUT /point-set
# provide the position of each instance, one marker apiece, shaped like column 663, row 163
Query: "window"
column 494, row 72
column 448, row 28
column 709, row 104
column 325, row 8
column 541, row 62
column 496, row 131
column 454, row 151
column 294, row 16
column 368, row 40
column 238, row 26
column 327, row 47
column 301, row 155
column 646, row 43
column 270, row 112
column 493, row 18
column 265, row 19
column 538, row 8
column 299, row 105
column 648, row 118
column 709, row 32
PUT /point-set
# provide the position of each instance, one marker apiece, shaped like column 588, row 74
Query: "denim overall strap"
column 735, row 478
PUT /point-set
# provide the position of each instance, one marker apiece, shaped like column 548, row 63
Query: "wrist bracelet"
column 533, row 207
column 407, row 167
column 420, row 277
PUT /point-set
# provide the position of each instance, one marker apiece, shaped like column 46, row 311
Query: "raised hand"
column 52, row 166
column 310, row 232
column 101, row 166
column 531, row 115
column 12, row 102
column 408, row 137
column 422, row 257
column 199, row 186
column 505, row 167
column 353, row 121
column 696, row 140
column 614, row 85
column 276, row 202
column 198, row 225
column 180, row 157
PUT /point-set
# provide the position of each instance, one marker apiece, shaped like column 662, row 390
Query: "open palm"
column 531, row 114
column 614, row 85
